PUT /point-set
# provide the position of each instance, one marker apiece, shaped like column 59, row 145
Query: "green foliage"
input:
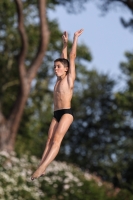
column 124, row 100
column 124, row 195
column 8, row 51
column 125, row 97
column 72, row 6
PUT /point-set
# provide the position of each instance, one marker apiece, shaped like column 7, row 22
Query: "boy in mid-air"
column 63, row 91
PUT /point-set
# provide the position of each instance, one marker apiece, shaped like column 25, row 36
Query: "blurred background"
column 96, row 156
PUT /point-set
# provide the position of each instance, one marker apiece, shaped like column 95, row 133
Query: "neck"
column 61, row 77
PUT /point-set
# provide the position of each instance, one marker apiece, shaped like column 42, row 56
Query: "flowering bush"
column 61, row 181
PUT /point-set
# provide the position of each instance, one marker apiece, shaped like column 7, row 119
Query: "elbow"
column 72, row 55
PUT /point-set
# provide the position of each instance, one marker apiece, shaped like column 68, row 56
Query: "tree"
column 125, row 99
column 128, row 4
column 9, row 125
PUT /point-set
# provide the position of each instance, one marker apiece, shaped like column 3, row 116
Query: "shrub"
column 61, row 181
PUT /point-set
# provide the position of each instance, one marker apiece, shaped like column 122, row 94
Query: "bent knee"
column 49, row 140
column 55, row 144
column 57, row 140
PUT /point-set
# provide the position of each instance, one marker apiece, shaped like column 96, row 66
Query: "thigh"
column 52, row 128
column 62, row 127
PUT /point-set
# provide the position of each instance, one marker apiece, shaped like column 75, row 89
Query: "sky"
column 105, row 36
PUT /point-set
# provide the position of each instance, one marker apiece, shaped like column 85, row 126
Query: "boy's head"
column 63, row 62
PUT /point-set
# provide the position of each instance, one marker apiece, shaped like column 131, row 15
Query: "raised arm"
column 65, row 41
column 72, row 55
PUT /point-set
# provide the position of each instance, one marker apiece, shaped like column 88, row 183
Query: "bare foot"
column 43, row 174
column 38, row 173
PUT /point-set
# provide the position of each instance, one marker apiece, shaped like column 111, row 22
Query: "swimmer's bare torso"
column 63, row 92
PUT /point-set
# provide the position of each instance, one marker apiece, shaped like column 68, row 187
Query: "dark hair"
column 64, row 61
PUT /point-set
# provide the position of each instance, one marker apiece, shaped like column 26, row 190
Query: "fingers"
column 65, row 33
column 65, row 36
column 79, row 32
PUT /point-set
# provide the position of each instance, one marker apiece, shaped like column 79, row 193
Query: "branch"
column 9, row 84
column 24, row 43
column 26, row 77
column 16, row 114
column 17, row 111
column 44, row 39
column 128, row 3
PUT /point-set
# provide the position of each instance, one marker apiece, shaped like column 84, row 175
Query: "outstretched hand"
column 79, row 32
column 65, row 37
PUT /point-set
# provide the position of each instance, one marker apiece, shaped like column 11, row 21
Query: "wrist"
column 65, row 44
column 75, row 37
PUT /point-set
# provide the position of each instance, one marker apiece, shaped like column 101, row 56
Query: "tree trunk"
column 6, row 142
column 9, row 127
column 4, row 135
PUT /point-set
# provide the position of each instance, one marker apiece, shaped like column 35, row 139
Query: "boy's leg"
column 60, row 131
column 51, row 132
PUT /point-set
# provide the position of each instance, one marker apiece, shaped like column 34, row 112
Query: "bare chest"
column 61, row 86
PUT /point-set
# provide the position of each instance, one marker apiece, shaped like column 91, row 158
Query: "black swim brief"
column 58, row 113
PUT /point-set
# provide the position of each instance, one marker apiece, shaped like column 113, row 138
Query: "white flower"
column 1, row 191
column 5, row 176
column 66, row 187
column 15, row 160
column 33, row 159
column 48, row 179
column 5, row 154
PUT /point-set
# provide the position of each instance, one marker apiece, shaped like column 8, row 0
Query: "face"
column 59, row 69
